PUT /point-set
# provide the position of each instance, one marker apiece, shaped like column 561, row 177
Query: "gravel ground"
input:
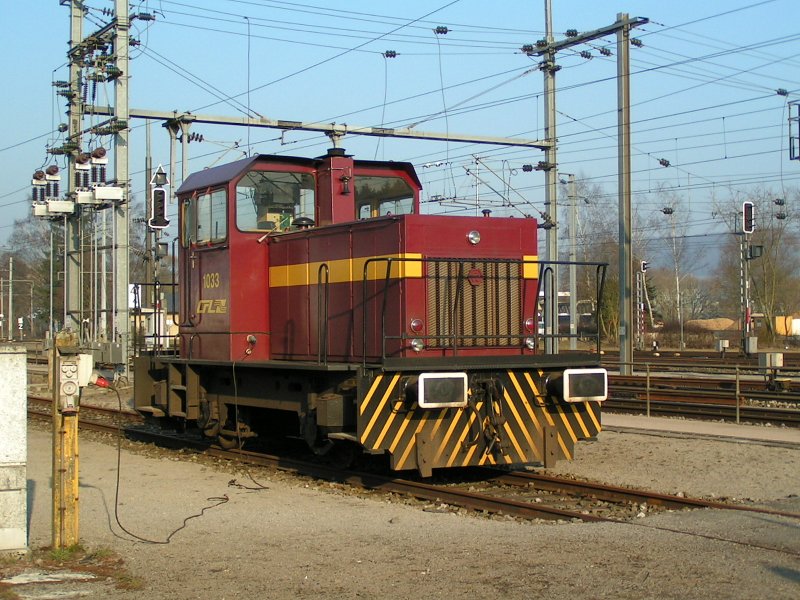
column 301, row 539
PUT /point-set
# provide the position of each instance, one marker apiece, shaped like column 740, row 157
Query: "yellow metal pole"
column 65, row 463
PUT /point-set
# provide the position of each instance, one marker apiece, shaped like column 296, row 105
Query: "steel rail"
column 612, row 493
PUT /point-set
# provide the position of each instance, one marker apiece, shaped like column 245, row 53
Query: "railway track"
column 447, row 496
column 704, row 358
column 665, row 407
column 718, row 397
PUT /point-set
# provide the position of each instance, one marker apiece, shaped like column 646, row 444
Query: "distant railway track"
column 718, row 397
column 699, row 410
column 103, row 419
column 535, row 496
column 700, row 359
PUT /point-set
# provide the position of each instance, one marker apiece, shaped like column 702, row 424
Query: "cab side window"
column 205, row 219
column 379, row 196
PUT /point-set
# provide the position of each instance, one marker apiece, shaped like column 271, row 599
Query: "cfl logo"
column 213, row 307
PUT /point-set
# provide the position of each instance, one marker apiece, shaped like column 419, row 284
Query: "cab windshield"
column 271, row 200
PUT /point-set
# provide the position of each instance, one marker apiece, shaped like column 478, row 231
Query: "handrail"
column 323, row 299
column 453, row 337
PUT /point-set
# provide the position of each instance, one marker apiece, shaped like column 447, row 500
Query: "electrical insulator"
column 586, row 54
column 605, row 51
column 158, row 209
column 571, row 33
column 663, row 162
column 38, row 184
column 441, row 30
column 53, row 178
column 636, row 42
column 390, row 54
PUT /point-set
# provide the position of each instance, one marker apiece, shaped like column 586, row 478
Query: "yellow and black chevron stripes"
column 573, row 421
column 515, row 422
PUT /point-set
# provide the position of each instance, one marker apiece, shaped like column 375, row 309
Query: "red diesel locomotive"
column 315, row 299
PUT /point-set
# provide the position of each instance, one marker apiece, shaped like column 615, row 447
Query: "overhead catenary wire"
column 566, row 149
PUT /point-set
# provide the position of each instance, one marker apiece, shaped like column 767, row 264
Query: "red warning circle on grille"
column 475, row 277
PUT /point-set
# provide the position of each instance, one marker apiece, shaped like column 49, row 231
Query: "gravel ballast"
column 301, row 538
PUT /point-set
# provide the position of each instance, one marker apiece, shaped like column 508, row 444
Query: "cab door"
column 205, row 279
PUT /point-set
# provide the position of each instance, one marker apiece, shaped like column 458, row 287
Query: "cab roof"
column 222, row 174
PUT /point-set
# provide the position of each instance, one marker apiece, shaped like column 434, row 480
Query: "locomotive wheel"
column 343, row 454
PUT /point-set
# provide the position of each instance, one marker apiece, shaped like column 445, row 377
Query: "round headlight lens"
column 529, row 323
column 530, row 343
column 417, row 345
column 474, row 237
column 416, row 325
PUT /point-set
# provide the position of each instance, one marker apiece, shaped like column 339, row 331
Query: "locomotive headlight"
column 416, row 325
column 529, row 324
column 530, row 343
column 417, row 345
column 442, row 390
column 474, row 237
column 580, row 385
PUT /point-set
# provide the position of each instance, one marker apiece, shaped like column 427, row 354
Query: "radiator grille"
column 473, row 303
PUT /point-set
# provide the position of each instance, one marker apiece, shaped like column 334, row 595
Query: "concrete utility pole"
column 573, row 257
column 121, row 224
column 549, row 68
column 547, row 49
column 73, row 304
column 624, row 188
column 86, row 67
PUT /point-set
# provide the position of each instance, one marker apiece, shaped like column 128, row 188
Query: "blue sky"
column 703, row 91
